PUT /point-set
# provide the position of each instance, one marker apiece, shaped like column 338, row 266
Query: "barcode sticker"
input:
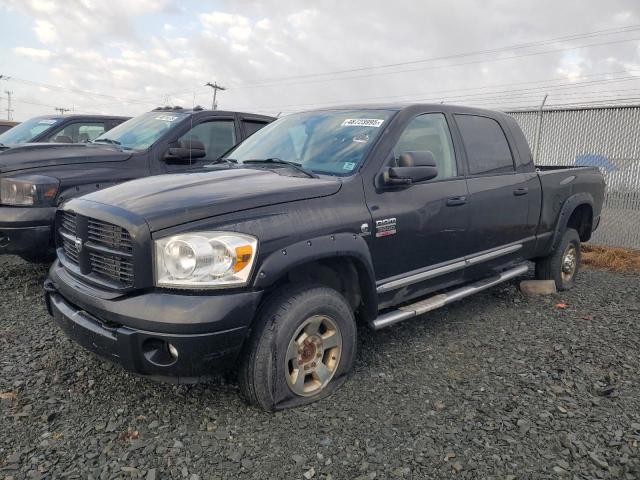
column 362, row 122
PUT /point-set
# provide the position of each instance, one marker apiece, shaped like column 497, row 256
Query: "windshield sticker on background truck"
column 362, row 122
column 166, row 118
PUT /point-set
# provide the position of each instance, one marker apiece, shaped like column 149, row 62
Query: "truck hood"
column 37, row 155
column 168, row 200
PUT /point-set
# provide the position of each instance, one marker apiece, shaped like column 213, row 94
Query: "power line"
column 62, row 110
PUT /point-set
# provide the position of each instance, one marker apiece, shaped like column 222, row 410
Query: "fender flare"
column 339, row 245
column 569, row 206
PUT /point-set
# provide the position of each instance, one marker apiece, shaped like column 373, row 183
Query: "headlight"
column 28, row 190
column 202, row 260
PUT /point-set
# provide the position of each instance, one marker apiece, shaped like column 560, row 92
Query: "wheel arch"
column 341, row 261
column 577, row 213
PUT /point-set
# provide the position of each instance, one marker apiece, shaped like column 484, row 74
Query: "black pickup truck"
column 269, row 255
column 59, row 129
column 36, row 178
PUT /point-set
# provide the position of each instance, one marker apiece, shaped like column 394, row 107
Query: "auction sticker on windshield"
column 47, row 122
column 166, row 118
column 362, row 122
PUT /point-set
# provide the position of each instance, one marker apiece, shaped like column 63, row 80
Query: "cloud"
column 147, row 50
column 33, row 53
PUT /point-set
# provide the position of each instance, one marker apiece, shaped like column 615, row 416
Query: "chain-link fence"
column 606, row 137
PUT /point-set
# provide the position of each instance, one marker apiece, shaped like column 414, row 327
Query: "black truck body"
column 59, row 129
column 62, row 171
column 391, row 218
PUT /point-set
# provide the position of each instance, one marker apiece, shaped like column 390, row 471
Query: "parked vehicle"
column 373, row 213
column 35, row 179
column 6, row 125
column 59, row 129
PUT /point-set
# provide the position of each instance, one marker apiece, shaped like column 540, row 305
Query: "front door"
column 217, row 136
column 418, row 230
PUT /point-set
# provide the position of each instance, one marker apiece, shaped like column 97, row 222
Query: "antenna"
column 216, row 87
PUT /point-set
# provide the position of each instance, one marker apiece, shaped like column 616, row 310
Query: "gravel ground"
column 497, row 386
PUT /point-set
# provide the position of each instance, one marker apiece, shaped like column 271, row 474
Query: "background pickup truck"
column 59, row 129
column 36, row 178
column 372, row 213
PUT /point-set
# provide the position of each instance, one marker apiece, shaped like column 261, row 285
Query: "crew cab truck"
column 35, row 179
column 269, row 255
column 59, row 129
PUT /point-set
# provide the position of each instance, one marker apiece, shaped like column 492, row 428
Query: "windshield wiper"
column 106, row 140
column 279, row 161
column 223, row 160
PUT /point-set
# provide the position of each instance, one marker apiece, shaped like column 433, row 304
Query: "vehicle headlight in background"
column 28, row 190
column 203, row 260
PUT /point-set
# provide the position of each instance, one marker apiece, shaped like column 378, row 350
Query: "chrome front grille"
column 98, row 250
column 109, row 235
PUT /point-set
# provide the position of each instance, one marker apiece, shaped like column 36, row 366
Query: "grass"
column 611, row 258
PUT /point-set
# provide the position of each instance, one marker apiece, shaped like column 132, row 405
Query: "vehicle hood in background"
column 37, row 155
column 168, row 200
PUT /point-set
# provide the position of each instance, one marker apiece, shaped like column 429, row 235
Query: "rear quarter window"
column 486, row 145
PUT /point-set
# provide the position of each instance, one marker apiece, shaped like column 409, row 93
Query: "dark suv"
column 36, row 178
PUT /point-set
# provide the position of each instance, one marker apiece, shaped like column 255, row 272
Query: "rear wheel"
column 302, row 348
column 563, row 264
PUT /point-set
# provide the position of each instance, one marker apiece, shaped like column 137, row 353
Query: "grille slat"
column 115, row 266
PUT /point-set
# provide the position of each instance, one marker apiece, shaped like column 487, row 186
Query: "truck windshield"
column 27, row 131
column 141, row 132
column 331, row 142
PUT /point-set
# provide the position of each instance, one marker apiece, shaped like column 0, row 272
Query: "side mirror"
column 412, row 167
column 184, row 150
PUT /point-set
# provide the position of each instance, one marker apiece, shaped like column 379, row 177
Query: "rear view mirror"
column 412, row 167
column 185, row 150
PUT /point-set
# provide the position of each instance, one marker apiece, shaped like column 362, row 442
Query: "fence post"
column 536, row 141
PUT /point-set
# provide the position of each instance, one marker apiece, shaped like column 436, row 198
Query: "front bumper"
column 26, row 230
column 207, row 332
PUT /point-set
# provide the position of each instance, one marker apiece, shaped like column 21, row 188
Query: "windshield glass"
column 329, row 142
column 141, row 132
column 27, row 131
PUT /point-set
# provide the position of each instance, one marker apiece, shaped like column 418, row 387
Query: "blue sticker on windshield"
column 348, row 166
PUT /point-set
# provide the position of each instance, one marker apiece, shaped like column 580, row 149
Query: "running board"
column 437, row 301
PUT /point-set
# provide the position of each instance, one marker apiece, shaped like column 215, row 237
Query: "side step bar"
column 437, row 301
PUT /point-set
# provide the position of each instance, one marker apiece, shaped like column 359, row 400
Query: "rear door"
column 498, row 196
column 418, row 230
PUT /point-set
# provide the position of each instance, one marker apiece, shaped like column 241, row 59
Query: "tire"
column 272, row 374
column 558, row 266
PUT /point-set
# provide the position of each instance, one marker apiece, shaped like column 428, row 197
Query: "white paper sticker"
column 166, row 118
column 362, row 138
column 348, row 166
column 47, row 122
column 362, row 122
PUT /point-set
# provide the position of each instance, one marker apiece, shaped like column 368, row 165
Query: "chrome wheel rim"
column 569, row 263
column 313, row 355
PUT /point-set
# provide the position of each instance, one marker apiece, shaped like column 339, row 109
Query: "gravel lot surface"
column 497, row 386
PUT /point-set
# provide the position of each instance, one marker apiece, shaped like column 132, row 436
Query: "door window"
column 486, row 145
column 251, row 127
column 217, row 136
column 430, row 132
column 78, row 133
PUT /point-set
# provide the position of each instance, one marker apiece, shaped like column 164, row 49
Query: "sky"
column 275, row 57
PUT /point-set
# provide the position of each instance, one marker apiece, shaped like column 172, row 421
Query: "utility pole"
column 62, row 110
column 216, row 87
column 9, row 109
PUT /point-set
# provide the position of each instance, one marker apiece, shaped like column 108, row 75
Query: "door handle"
column 455, row 201
column 520, row 191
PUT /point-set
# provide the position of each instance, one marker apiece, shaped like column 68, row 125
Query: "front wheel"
column 302, row 348
column 564, row 262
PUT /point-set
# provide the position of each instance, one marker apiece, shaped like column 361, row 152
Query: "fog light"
column 173, row 351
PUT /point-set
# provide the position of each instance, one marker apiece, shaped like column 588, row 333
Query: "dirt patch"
column 610, row 258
